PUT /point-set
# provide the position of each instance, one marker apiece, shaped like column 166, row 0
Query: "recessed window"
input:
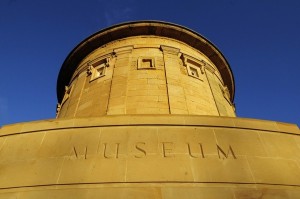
column 96, row 70
column 195, row 67
column 99, row 71
column 194, row 71
column 146, row 63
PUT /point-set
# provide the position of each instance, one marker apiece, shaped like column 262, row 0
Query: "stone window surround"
column 194, row 71
column 193, row 64
column 97, row 71
column 97, row 68
column 151, row 64
column 187, row 60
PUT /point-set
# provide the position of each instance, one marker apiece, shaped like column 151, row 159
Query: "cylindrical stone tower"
column 145, row 68
column 145, row 110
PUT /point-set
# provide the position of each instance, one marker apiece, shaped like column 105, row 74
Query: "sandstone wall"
column 146, row 75
column 150, row 156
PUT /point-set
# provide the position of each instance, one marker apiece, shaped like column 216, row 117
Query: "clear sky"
column 259, row 38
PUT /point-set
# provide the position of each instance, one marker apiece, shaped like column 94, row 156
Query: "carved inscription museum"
column 146, row 110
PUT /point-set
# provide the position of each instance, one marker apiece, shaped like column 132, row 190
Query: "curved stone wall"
column 150, row 156
column 146, row 75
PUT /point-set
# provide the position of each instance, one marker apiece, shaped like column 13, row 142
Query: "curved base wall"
column 150, row 156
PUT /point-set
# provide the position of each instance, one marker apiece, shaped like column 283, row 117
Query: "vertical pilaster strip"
column 81, row 91
column 174, row 86
column 208, row 80
column 119, row 84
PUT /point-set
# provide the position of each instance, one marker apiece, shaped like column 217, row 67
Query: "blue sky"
column 259, row 38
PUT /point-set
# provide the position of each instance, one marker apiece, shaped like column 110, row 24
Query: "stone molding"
column 170, row 120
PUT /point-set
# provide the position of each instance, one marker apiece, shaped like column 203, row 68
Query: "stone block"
column 46, row 125
column 274, row 170
column 121, row 192
column 155, row 168
column 244, row 142
column 12, row 195
column 54, row 193
column 255, row 124
column 29, row 172
column 289, row 128
column 210, row 120
column 69, row 142
column 116, row 111
column 229, row 169
column 187, row 140
column 280, row 145
column 196, row 192
column 11, row 129
column 28, row 147
column 176, row 111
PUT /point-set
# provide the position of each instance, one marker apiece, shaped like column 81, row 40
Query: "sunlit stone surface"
column 145, row 110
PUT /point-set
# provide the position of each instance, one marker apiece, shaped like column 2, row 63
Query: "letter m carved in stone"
column 223, row 155
column 78, row 154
